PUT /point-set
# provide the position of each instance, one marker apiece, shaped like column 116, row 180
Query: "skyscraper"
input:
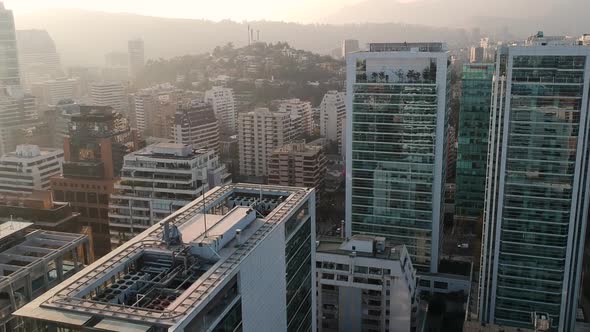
column 536, row 196
column 18, row 115
column 9, row 73
column 136, row 56
column 397, row 109
column 474, row 120
column 332, row 116
column 38, row 57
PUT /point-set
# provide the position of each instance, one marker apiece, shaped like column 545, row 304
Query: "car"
column 463, row 245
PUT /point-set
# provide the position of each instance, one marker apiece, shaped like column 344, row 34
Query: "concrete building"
column 364, row 285
column 349, row 46
column 195, row 124
column 135, row 48
column 29, row 168
column 536, row 209
column 396, row 141
column 333, row 116
column 9, row 69
column 224, row 106
column 53, row 91
column 108, row 94
column 300, row 110
column 260, row 133
column 158, row 180
column 18, row 115
column 250, row 269
column 32, row 262
column 93, row 154
column 298, row 165
column 38, row 57
column 154, row 109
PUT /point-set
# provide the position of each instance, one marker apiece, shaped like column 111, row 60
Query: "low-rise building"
column 29, row 168
column 364, row 285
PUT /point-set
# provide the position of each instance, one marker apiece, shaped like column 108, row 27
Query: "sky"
column 238, row 10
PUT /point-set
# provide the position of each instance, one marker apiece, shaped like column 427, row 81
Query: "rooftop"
column 360, row 245
column 169, row 271
column 168, row 150
column 408, row 47
column 29, row 152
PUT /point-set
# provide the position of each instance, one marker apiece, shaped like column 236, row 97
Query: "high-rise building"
column 474, row 120
column 224, row 106
column 298, row 165
column 53, row 91
column 154, row 109
column 333, row 116
column 195, row 124
column 34, row 261
column 364, row 284
column 93, row 153
column 38, row 57
column 18, row 115
column 300, row 110
column 477, row 54
column 29, row 168
column 260, row 132
column 397, row 110
column 536, row 208
column 349, row 46
column 9, row 70
column 135, row 49
column 108, row 94
column 157, row 181
column 240, row 258
column 61, row 115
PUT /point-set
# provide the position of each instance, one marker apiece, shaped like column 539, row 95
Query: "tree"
column 381, row 76
column 374, row 76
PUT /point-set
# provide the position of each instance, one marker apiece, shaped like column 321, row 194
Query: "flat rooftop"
column 341, row 246
column 160, row 277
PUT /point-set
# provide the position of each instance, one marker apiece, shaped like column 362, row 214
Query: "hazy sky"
column 291, row 10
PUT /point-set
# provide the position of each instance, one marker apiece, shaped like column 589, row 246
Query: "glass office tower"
column 397, row 110
column 536, row 195
column 9, row 74
column 474, row 120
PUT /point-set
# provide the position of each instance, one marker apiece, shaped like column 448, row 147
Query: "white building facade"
column 300, row 110
column 364, row 285
column 224, row 106
column 333, row 116
column 108, row 94
column 29, row 168
column 158, row 180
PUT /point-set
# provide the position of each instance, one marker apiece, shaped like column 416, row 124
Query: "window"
column 361, row 269
column 441, row 285
column 342, row 277
column 424, row 283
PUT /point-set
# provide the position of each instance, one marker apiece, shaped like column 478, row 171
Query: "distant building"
column 364, row 284
column 108, row 94
column 38, row 57
column 472, row 154
column 397, row 123
column 195, row 124
column 135, row 49
column 29, row 168
column 477, row 54
column 32, row 262
column 157, row 181
column 53, row 91
column 93, row 153
column 62, row 114
column 260, row 132
column 349, row 46
column 9, row 70
column 116, row 59
column 18, row 116
column 301, row 111
column 224, row 106
column 298, row 165
column 251, row 269
column 333, row 116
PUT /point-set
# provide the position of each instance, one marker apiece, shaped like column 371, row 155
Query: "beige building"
column 300, row 110
column 298, row 165
column 195, row 124
column 260, row 132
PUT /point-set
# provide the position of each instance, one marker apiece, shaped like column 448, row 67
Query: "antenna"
column 204, row 214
